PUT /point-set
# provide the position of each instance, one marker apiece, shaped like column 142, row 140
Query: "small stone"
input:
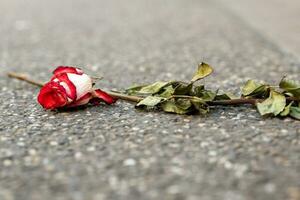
column 7, row 162
column 21, row 144
column 186, row 120
column 212, row 153
column 173, row 189
column 91, row 148
column 129, row 162
column 284, row 131
column 126, row 108
column 32, row 152
column 201, row 125
column 187, row 126
column 270, row 188
column 53, row 143
column 78, row 155
column 3, row 138
column 204, row 144
column 135, row 128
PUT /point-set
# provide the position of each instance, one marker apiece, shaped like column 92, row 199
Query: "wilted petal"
column 104, row 96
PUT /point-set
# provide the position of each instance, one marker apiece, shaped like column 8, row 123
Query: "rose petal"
column 104, row 96
column 64, row 81
column 83, row 84
column 67, row 69
column 82, row 101
column 52, row 95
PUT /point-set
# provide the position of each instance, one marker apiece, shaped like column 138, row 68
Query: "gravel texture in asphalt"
column 117, row 152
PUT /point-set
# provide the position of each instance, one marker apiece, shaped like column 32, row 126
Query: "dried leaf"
column 153, row 88
column 290, row 86
column 254, row 89
column 183, row 89
column 286, row 110
column 167, row 92
column 134, row 89
column 183, row 103
column 150, row 101
column 203, row 71
column 275, row 104
column 200, row 106
column 197, row 90
column 180, row 106
column 207, row 95
column 186, row 98
column 295, row 112
column 201, row 92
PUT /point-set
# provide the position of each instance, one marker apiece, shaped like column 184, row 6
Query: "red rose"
column 70, row 87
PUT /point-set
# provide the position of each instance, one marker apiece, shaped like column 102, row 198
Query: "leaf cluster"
column 189, row 98
column 177, row 96
column 277, row 100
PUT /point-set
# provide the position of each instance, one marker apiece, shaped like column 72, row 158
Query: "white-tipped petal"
column 83, row 84
column 65, row 85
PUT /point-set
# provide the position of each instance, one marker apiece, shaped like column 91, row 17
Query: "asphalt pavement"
column 118, row 152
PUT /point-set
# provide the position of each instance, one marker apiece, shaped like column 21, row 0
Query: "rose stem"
column 24, row 78
column 125, row 97
column 137, row 99
column 232, row 101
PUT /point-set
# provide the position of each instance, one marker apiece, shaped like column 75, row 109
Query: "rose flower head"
column 71, row 87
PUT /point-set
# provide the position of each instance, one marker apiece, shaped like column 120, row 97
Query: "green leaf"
column 201, row 106
column 153, row 88
column 295, row 112
column 134, row 89
column 197, row 90
column 183, row 88
column 290, row 86
column 183, row 103
column 201, row 92
column 180, row 106
column 150, row 101
column 286, row 110
column 167, row 91
column 254, row 89
column 275, row 104
column 203, row 71
column 207, row 95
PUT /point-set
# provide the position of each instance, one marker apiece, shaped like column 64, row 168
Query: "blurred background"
column 132, row 33
column 276, row 19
